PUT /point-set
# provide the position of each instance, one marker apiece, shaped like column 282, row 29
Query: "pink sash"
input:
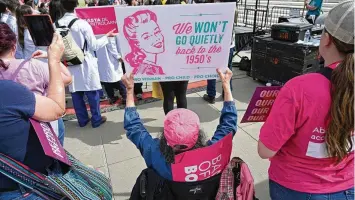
column 49, row 141
column 203, row 163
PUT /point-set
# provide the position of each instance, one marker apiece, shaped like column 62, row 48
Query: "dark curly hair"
column 7, row 41
column 169, row 153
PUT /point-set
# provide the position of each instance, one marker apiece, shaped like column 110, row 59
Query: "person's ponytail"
column 341, row 125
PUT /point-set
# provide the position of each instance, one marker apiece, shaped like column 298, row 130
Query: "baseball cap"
column 340, row 22
column 181, row 129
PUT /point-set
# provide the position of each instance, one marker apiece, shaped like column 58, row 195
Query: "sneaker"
column 139, row 97
column 209, row 99
column 113, row 100
column 103, row 120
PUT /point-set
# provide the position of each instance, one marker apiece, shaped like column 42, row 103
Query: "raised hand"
column 111, row 33
column 225, row 77
column 128, row 81
column 56, row 49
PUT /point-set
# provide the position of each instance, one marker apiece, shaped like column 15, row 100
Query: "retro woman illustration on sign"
column 146, row 41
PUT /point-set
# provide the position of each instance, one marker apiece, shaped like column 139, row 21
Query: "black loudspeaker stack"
column 277, row 61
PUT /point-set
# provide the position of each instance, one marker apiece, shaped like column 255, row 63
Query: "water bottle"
column 307, row 35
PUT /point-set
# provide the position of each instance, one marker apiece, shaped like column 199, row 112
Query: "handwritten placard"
column 175, row 42
column 49, row 141
column 261, row 103
column 101, row 18
column 203, row 163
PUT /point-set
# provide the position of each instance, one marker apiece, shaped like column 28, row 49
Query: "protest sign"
column 175, row 42
column 49, row 141
column 203, row 163
column 261, row 103
column 101, row 18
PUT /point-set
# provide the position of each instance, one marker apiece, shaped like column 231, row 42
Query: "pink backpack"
column 236, row 182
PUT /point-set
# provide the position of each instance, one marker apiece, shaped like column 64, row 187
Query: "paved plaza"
column 108, row 148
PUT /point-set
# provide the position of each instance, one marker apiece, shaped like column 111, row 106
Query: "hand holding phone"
column 41, row 29
column 56, row 49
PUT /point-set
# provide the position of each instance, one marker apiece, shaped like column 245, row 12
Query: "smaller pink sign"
column 101, row 18
column 260, row 104
column 49, row 141
column 203, row 163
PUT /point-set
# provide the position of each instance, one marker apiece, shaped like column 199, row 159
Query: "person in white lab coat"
column 25, row 45
column 9, row 17
column 110, row 67
column 86, row 79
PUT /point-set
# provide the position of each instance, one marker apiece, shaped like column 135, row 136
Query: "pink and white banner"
column 203, row 163
column 49, row 141
column 101, row 18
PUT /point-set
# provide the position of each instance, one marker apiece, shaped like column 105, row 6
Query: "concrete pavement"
column 108, row 149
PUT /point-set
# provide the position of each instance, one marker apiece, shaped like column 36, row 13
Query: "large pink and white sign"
column 49, row 141
column 101, row 18
column 176, row 42
column 203, row 163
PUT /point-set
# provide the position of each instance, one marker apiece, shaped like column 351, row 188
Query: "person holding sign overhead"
column 309, row 134
column 181, row 130
column 17, row 105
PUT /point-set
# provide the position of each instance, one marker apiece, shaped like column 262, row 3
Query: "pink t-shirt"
column 295, row 129
column 34, row 74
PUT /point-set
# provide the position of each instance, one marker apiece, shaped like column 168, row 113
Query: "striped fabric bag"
column 79, row 183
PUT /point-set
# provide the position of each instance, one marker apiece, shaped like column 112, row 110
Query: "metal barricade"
column 279, row 11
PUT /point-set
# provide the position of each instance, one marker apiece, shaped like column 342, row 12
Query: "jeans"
column 110, row 89
column 170, row 91
column 61, row 131
column 279, row 192
column 26, row 194
column 211, row 84
column 80, row 107
column 19, row 195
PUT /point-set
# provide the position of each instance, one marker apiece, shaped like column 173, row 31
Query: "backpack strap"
column 326, row 72
column 58, row 26
column 71, row 23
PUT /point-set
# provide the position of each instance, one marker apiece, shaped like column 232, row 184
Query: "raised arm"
column 136, row 132
column 52, row 107
column 93, row 43
column 228, row 119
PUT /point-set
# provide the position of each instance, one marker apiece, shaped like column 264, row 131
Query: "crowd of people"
column 308, row 135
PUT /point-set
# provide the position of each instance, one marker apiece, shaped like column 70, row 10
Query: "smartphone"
column 41, row 29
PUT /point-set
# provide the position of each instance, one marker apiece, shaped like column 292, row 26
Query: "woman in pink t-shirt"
column 308, row 135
